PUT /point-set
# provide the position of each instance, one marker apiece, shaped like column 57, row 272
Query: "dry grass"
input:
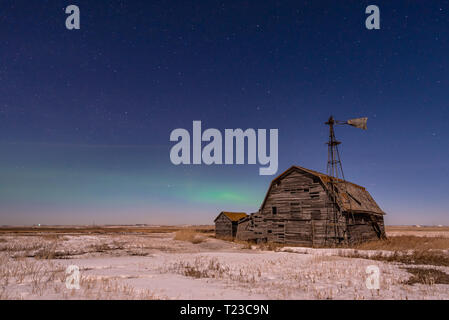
column 244, row 244
column 47, row 248
column 108, row 289
column 51, row 236
column 45, row 278
column 39, row 276
column 434, row 258
column 200, row 268
column 271, row 246
column 47, row 252
column 104, row 247
column 423, row 258
column 212, row 268
column 189, row 235
column 394, row 243
column 427, row 276
column 264, row 246
column 406, row 243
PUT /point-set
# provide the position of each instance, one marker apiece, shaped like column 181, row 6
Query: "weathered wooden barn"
column 306, row 207
column 226, row 224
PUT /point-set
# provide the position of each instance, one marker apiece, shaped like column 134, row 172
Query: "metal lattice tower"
column 335, row 172
column 334, row 167
column 337, row 183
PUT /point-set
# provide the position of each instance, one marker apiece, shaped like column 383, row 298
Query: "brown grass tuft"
column 427, row 276
column 406, row 243
column 188, row 235
column 271, row 246
column 434, row 258
column 50, row 236
column 244, row 243
column 200, row 268
column 47, row 252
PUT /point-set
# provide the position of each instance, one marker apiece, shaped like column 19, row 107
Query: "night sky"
column 86, row 115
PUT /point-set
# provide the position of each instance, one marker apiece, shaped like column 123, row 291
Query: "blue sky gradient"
column 86, row 115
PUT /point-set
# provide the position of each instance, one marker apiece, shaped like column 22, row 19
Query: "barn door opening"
column 377, row 228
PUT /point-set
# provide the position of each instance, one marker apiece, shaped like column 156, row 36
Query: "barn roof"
column 350, row 196
column 233, row 216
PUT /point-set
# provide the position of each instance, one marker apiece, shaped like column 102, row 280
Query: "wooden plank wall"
column 223, row 227
column 302, row 215
column 363, row 230
column 245, row 230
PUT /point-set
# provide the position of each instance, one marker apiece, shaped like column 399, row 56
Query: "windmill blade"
column 358, row 123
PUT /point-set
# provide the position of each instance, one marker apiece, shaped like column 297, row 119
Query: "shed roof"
column 350, row 196
column 233, row 216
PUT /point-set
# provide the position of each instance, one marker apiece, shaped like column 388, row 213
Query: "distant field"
column 170, row 228
column 391, row 230
column 417, row 229
column 394, row 231
column 74, row 230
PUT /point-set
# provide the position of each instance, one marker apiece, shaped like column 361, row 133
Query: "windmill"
column 334, row 167
column 335, row 229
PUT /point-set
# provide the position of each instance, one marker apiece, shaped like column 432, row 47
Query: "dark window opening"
column 314, row 195
column 306, row 190
column 274, row 210
column 269, row 231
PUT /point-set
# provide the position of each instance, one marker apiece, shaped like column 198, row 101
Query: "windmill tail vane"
column 358, row 123
column 334, row 167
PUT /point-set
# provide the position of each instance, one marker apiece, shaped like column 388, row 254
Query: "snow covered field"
column 156, row 266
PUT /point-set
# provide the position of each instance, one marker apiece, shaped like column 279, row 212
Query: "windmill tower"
column 336, row 227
